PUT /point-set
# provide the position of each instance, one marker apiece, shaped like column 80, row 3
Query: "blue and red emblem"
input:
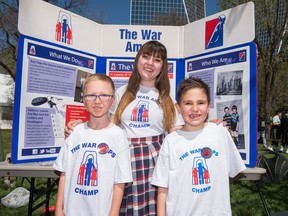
column 206, row 152
column 63, row 31
column 102, row 148
column 214, row 32
column 242, row 56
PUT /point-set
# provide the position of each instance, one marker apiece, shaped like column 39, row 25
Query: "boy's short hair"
column 234, row 107
column 191, row 83
column 99, row 76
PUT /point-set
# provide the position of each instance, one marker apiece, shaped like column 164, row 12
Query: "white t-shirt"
column 93, row 161
column 195, row 167
column 143, row 117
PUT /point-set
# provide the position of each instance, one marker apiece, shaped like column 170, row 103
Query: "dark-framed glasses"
column 93, row 97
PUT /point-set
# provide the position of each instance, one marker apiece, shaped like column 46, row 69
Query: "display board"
column 52, row 81
column 55, row 57
column 231, row 76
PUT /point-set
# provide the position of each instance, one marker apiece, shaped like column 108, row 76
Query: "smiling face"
column 194, row 108
column 149, row 67
column 98, row 108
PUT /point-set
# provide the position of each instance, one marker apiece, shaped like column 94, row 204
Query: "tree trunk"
column 268, row 100
column 1, row 147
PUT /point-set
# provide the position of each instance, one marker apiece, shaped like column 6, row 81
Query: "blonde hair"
column 101, row 77
column 162, row 84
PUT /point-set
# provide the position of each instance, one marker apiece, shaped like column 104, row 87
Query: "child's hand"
column 218, row 121
column 70, row 127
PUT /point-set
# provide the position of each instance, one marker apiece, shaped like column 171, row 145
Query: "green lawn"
column 4, row 189
column 245, row 199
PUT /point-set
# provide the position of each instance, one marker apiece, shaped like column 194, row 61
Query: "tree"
column 271, row 39
column 9, row 34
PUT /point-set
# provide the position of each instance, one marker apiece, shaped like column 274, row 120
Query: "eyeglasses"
column 102, row 97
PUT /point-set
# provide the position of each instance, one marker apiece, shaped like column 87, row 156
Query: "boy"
column 94, row 161
column 235, row 126
column 195, row 163
column 227, row 118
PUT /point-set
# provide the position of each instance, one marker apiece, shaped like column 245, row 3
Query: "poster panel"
column 120, row 70
column 48, row 78
column 231, row 76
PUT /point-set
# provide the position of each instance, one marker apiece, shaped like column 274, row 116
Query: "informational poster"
column 120, row 70
column 76, row 112
column 231, row 76
column 51, row 78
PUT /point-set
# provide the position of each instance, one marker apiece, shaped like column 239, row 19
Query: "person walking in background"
column 95, row 159
column 261, row 132
column 195, row 162
column 276, row 130
column 284, row 132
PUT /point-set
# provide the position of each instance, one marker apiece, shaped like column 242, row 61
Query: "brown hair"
column 162, row 84
column 191, row 83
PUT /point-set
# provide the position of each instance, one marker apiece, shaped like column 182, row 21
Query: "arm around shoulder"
column 218, row 121
column 70, row 127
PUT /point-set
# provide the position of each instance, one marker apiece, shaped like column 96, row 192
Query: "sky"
column 117, row 11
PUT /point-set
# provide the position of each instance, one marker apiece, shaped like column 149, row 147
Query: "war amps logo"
column 64, row 28
column 214, row 32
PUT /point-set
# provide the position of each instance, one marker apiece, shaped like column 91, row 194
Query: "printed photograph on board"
column 81, row 76
column 229, row 83
column 231, row 113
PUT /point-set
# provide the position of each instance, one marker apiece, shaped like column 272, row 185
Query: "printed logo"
column 200, row 172
column 214, row 32
column 34, row 151
column 64, row 28
column 242, row 56
column 170, row 68
column 90, row 63
column 113, row 67
column 32, row 50
column 102, row 148
column 88, row 169
column 141, row 112
column 206, row 153
column 190, row 68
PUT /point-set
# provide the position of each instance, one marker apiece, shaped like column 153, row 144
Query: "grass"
column 245, row 199
column 5, row 189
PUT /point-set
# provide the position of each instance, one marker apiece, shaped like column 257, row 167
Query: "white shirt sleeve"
column 161, row 171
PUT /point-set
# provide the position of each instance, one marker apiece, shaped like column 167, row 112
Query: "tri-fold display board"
column 59, row 49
